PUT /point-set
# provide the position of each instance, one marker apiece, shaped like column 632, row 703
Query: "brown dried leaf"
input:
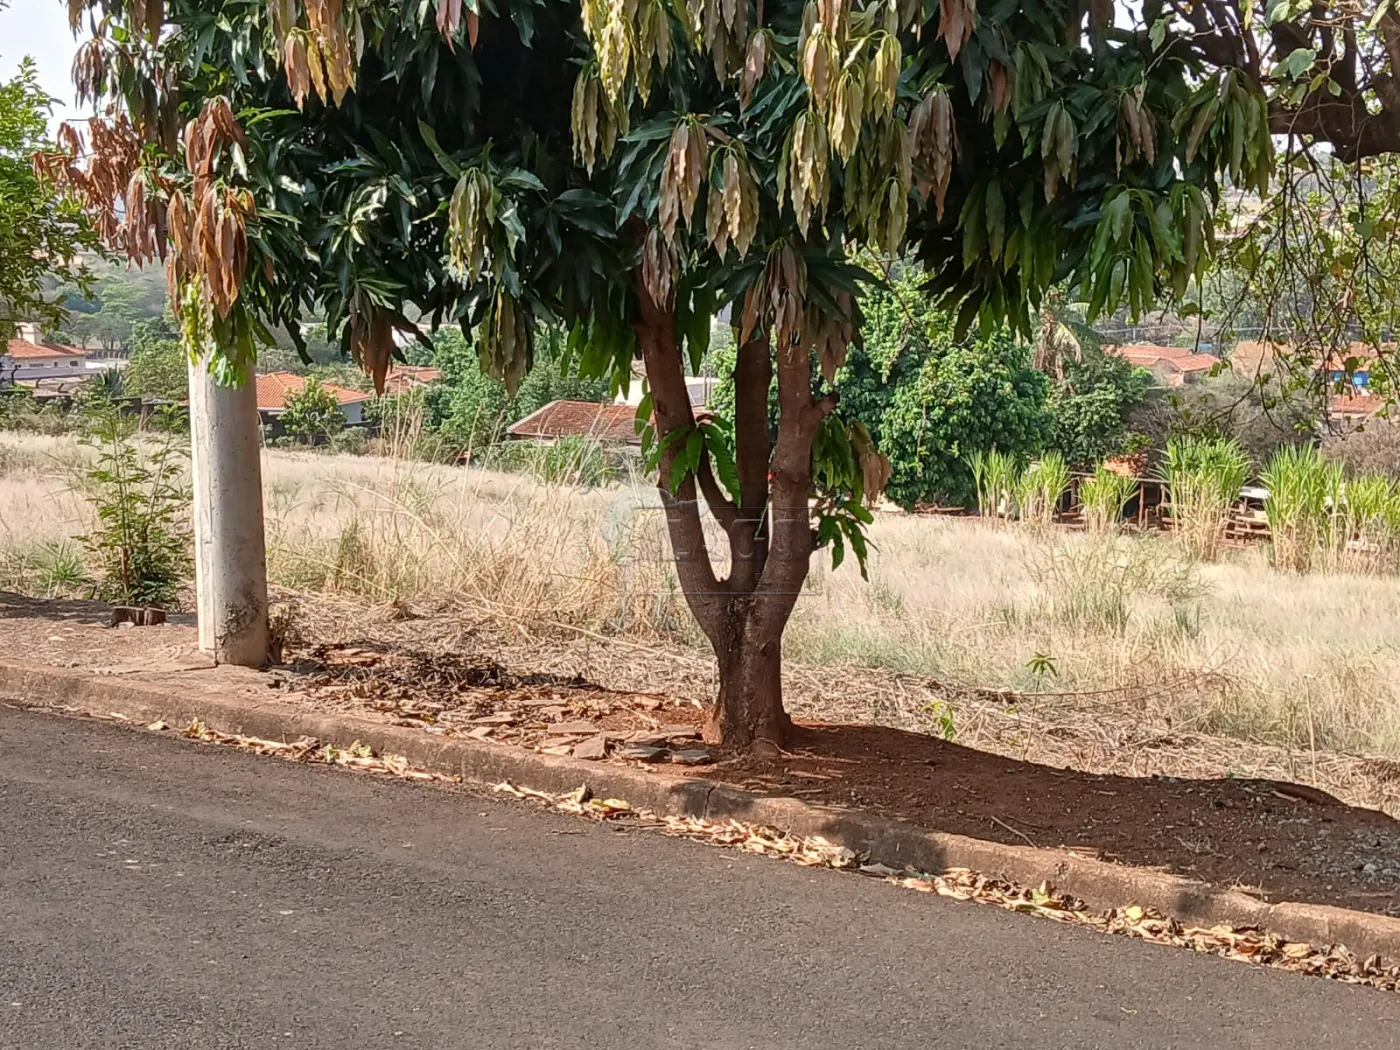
column 298, row 66
column 955, row 24
column 755, row 63
column 449, row 19
column 658, row 269
column 998, row 85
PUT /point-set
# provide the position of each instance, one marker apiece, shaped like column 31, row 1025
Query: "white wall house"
column 275, row 387
column 30, row 358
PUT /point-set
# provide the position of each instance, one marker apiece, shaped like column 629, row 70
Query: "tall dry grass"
column 1230, row 648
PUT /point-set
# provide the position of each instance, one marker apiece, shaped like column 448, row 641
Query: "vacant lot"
column 1118, row 651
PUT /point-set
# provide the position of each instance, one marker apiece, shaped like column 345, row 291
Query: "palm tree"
column 1062, row 333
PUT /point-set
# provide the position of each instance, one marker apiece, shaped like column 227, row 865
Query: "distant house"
column 410, row 377
column 30, row 358
column 1171, row 365
column 275, row 387
column 1339, row 366
column 1353, row 408
column 611, row 424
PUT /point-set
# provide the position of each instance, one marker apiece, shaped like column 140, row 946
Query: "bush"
column 996, row 478
column 312, row 413
column 1304, row 491
column 1091, row 408
column 352, row 441
column 1374, row 449
column 1205, row 476
column 931, row 402
column 1103, row 497
column 158, row 367
column 1040, row 487
column 141, row 543
column 1095, row 584
column 1259, row 417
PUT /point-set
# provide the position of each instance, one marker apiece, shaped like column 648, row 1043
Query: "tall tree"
column 42, row 232
column 629, row 169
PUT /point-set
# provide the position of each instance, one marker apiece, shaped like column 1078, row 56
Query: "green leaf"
column 444, row 161
column 996, row 220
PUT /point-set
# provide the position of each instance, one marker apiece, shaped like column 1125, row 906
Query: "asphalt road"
column 159, row 893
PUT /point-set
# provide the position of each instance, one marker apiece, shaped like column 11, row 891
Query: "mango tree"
column 629, row 169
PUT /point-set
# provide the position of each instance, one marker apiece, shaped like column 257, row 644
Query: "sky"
column 39, row 29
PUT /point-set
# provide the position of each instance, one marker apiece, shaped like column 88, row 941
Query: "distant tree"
column 471, row 410
column 159, row 367
column 1090, row 407
column 42, row 233
column 119, row 298
column 931, row 399
column 1370, row 449
column 312, row 413
column 1262, row 416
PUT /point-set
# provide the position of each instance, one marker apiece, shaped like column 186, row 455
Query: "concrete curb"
column 1099, row 884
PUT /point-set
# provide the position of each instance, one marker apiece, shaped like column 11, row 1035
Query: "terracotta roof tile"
column 612, row 423
column 275, row 387
column 1354, row 405
column 406, row 377
column 23, row 350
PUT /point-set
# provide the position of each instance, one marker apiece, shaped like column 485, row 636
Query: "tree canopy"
column 628, row 169
column 42, row 232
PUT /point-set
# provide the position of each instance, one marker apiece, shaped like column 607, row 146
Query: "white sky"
column 39, row 29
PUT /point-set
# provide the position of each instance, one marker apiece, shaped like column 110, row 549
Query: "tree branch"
column 725, row 512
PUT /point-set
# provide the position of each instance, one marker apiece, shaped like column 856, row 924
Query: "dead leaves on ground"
column 809, row 851
column 357, row 756
column 1242, row 944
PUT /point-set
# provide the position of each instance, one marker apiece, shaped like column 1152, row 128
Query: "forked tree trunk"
column 749, row 708
column 769, row 530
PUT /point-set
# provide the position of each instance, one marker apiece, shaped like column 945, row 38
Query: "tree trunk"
column 749, row 709
column 769, row 531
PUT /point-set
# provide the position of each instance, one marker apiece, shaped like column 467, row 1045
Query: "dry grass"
column 1121, row 655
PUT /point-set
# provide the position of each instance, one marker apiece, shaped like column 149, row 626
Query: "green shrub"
column 140, row 546
column 996, row 481
column 1303, row 492
column 1103, row 497
column 1205, row 476
column 1040, row 487
column 572, row 460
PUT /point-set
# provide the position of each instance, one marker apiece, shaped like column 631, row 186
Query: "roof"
column 1334, row 359
column 1354, row 405
column 1196, row 362
column 1177, row 358
column 275, row 387
column 406, row 377
column 23, row 350
column 1151, row 350
column 614, row 423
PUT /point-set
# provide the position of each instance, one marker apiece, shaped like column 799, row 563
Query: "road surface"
column 159, row 893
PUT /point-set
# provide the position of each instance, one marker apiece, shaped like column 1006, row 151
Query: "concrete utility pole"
column 229, row 545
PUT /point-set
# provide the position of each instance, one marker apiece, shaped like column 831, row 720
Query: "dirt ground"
column 1275, row 839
